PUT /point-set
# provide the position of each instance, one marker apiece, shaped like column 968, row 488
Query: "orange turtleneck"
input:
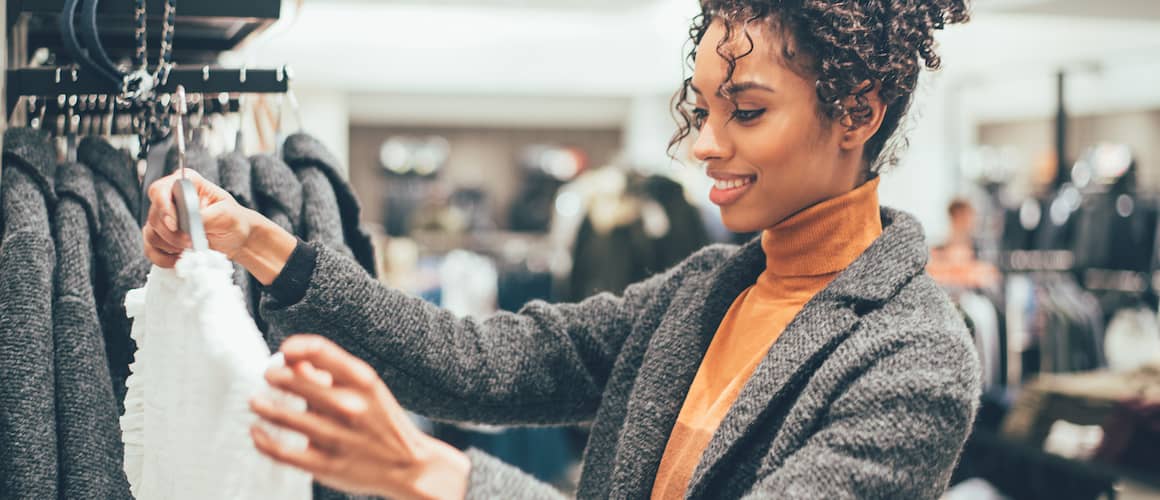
column 803, row 254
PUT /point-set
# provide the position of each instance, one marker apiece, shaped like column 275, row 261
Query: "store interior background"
column 566, row 69
column 494, row 77
column 463, row 97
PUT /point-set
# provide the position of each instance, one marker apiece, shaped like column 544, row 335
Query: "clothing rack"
column 46, row 82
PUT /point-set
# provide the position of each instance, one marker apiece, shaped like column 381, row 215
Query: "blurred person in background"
column 816, row 361
column 955, row 263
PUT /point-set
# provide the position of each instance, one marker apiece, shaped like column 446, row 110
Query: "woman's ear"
column 856, row 135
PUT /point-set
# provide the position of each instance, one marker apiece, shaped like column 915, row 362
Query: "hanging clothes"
column 278, row 197
column 281, row 197
column 28, row 446
column 686, row 233
column 1117, row 230
column 235, row 176
column 984, row 319
column 1053, row 326
column 330, row 210
column 200, row 359
column 88, row 436
column 121, row 264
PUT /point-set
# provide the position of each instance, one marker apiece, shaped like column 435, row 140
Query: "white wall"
column 924, row 181
column 326, row 115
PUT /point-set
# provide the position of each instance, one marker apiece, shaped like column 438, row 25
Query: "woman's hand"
column 361, row 440
column 243, row 235
column 227, row 224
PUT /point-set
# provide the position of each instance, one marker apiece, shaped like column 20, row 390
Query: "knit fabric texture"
column 331, row 212
column 235, row 176
column 121, row 264
column 282, row 197
column 28, row 445
column 278, row 197
column 870, row 392
column 200, row 359
column 803, row 254
column 88, row 435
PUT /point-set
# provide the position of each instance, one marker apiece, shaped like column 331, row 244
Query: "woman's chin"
column 739, row 223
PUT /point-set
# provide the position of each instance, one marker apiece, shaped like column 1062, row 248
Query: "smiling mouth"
column 727, row 191
column 730, row 184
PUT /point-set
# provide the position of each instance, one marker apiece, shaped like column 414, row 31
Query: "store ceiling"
column 546, row 4
column 602, row 52
column 1113, row 9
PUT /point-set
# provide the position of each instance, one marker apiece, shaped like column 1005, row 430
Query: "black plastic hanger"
column 72, row 45
column 96, row 50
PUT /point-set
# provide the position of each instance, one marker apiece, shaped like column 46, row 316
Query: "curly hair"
column 841, row 43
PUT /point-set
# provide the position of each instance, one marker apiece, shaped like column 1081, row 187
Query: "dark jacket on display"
column 120, row 250
column 330, row 210
column 278, row 197
column 88, row 433
column 869, row 393
column 28, row 448
column 235, row 177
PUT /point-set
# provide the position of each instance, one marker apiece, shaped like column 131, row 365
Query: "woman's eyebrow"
column 736, row 88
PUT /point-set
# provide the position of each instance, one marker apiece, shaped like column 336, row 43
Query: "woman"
column 815, row 362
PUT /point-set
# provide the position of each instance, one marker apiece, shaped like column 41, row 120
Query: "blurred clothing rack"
column 208, row 80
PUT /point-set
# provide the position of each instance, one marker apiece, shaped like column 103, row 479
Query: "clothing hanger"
column 184, row 193
column 83, row 54
column 98, row 57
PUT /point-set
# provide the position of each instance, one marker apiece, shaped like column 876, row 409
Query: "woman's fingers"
column 162, row 260
column 345, row 404
column 321, row 432
column 163, row 214
column 157, row 242
column 311, row 459
column 325, row 355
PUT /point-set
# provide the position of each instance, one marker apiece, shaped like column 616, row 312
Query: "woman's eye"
column 699, row 117
column 746, row 115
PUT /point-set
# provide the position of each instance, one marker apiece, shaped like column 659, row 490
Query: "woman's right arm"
column 545, row 365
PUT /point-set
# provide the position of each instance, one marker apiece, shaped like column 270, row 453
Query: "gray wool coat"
column 277, row 196
column 869, row 393
column 28, row 447
column 90, row 451
column 236, row 178
column 121, row 264
column 330, row 210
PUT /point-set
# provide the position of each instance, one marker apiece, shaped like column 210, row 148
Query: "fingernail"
column 258, row 434
column 275, row 375
column 170, row 223
column 259, row 404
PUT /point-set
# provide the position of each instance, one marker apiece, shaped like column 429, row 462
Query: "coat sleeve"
column 546, row 364
column 491, row 478
column 896, row 430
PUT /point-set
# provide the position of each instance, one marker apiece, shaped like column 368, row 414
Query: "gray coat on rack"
column 28, row 447
column 330, row 210
column 278, row 196
column 236, row 178
column 281, row 197
column 120, row 250
column 88, row 433
column 869, row 392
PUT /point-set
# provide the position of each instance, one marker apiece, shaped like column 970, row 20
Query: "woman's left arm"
column 361, row 441
column 895, row 432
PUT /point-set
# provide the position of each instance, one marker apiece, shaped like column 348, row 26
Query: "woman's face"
column 769, row 151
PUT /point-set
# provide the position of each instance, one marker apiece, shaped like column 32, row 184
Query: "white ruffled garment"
column 199, row 360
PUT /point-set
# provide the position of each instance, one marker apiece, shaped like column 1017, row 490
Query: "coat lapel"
column 824, row 323
column 800, row 349
column 669, row 365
